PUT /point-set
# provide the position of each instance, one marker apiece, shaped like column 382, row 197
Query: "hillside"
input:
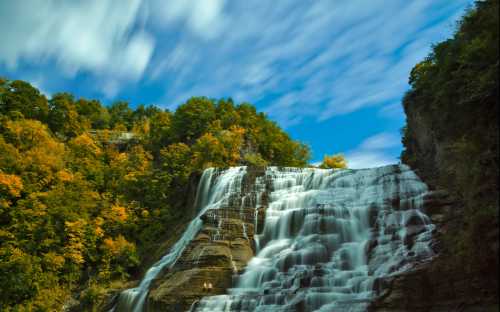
column 89, row 192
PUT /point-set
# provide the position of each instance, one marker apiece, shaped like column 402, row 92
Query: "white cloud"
column 202, row 17
column 368, row 159
column 380, row 141
column 95, row 36
column 374, row 151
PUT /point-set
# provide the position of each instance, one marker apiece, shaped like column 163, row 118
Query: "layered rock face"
column 216, row 245
column 220, row 250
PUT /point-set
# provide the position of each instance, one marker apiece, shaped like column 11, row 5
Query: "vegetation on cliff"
column 85, row 189
column 451, row 135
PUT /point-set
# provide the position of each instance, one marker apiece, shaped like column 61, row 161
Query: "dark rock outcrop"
column 448, row 282
column 451, row 142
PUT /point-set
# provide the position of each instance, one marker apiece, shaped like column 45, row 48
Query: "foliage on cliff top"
column 86, row 190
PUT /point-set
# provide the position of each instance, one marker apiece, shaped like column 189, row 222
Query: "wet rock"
column 220, row 250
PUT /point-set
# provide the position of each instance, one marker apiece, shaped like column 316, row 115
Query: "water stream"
column 214, row 190
column 328, row 237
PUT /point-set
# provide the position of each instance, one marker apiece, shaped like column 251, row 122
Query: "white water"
column 214, row 190
column 328, row 238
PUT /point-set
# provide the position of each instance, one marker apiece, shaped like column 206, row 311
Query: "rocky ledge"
column 446, row 283
column 220, row 250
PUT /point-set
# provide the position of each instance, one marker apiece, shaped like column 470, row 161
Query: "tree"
column 336, row 161
column 64, row 118
column 227, row 113
column 160, row 131
column 120, row 114
column 20, row 96
column 192, row 119
column 93, row 112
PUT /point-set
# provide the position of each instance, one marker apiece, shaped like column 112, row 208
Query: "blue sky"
column 332, row 73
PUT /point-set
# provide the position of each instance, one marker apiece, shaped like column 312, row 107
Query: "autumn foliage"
column 87, row 191
column 334, row 162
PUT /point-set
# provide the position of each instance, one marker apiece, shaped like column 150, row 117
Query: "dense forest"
column 451, row 138
column 86, row 190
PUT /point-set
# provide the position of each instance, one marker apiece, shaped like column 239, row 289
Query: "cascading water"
column 328, row 238
column 215, row 189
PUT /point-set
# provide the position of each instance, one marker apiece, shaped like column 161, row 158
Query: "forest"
column 86, row 190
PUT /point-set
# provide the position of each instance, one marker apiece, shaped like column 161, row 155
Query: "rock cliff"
column 220, row 250
column 451, row 142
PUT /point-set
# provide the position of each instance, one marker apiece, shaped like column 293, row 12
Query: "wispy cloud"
column 93, row 36
column 301, row 60
column 374, row 151
column 296, row 60
column 204, row 18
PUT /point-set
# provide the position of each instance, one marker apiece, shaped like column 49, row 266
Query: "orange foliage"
column 65, row 176
column 118, row 245
column 119, row 213
column 11, row 183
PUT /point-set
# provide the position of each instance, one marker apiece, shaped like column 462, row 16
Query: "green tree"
column 192, row 119
column 20, row 96
column 94, row 112
column 121, row 114
column 63, row 116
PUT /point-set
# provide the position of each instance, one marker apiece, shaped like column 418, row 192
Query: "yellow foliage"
column 11, row 183
column 53, row 261
column 119, row 127
column 141, row 128
column 120, row 158
column 221, row 149
column 98, row 231
column 65, row 176
column 334, row 162
column 6, row 235
column 26, row 133
column 75, row 246
column 42, row 154
column 118, row 245
column 16, row 253
column 85, row 144
column 119, row 213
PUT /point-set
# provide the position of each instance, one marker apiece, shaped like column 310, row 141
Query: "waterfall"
column 214, row 190
column 329, row 236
